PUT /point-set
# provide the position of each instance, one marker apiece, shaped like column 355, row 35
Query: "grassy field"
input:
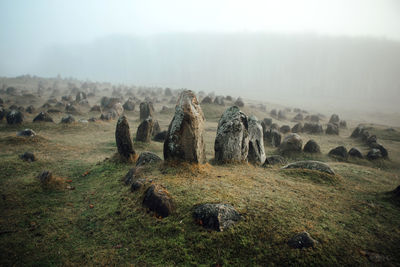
column 352, row 215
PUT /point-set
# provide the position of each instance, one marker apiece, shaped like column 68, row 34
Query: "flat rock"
column 310, row 165
column 217, row 217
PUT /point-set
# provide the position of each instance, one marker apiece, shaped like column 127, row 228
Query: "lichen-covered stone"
column 217, row 217
column 146, row 110
column 232, row 140
column 144, row 131
column 310, row 165
column 256, row 141
column 123, row 139
column 184, row 140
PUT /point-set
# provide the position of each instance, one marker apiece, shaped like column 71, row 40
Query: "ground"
column 352, row 215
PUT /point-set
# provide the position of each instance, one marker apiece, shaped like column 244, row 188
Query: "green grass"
column 347, row 213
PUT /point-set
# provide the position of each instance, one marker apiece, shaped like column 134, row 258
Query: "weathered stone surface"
column 256, row 153
column 313, row 128
column 28, row 156
column 354, row 152
column 334, row 119
column 207, row 100
column 72, row 109
column 357, row 132
column 123, row 139
column 232, row 140
column 217, row 217
column 80, row 96
column 26, row 132
column 138, row 184
column 339, row 152
column 239, row 102
column 302, row 240
column 146, row 110
column 343, row 124
column 43, row 117
column 30, row 109
column 15, row 117
column 147, row 158
column 298, row 117
column 3, row 113
column 273, row 137
column 129, row 105
column 132, row 175
column 156, row 128
column 310, row 165
column 160, row 137
column 274, row 160
column 297, row 128
column 266, row 122
column 68, row 119
column 281, row 115
column 219, row 100
column 381, row 148
column 332, row 129
column 107, row 102
column 144, row 130
column 291, row 143
column 118, row 109
column 184, row 140
column 374, row 154
column 158, row 199
column 284, row 129
column 312, row 147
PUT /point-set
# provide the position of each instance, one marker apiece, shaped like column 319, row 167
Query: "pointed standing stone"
column 184, row 139
column 123, row 139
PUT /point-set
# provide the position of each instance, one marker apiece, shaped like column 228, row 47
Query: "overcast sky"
column 42, row 22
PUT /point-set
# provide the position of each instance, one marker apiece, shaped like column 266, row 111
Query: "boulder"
column 274, row 160
column 138, row 184
column 298, row 117
column 343, row 124
column 232, row 139
column 284, row 129
column 266, row 122
column 30, row 109
column 302, row 240
column 129, row 105
column 332, row 129
column 184, row 140
column 26, row 133
column 95, row 108
column 147, row 158
column 339, row 152
column 219, row 100
column 156, row 128
column 123, row 139
column 273, row 137
column 374, row 154
column 239, row 102
column 217, row 217
column 334, row 119
column 15, row 117
column 158, row 199
column 68, row 119
column 132, row 175
column 43, row 117
column 109, row 102
column 160, row 137
column 291, row 143
column 357, row 132
column 146, row 110
column 28, row 156
column 297, row 128
column 256, row 153
column 72, row 109
column 310, row 165
column 312, row 128
column 144, row 130
column 312, row 147
column 80, row 96
column 381, row 148
column 274, row 126
column 45, row 177
column 3, row 113
column 207, row 100
column 281, row 115
column 354, row 152
column 118, row 109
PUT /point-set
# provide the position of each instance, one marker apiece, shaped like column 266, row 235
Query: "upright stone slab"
column 256, row 141
column 123, row 139
column 232, row 140
column 146, row 110
column 145, row 130
column 184, row 140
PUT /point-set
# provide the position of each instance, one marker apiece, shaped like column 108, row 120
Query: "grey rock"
column 27, row 133
column 374, row 154
column 147, row 158
column 313, row 128
column 146, row 110
column 256, row 153
column 184, row 140
column 332, row 129
column 274, row 160
column 68, row 119
column 28, row 156
column 312, row 147
column 217, row 217
column 160, row 137
column 284, row 129
column 310, row 165
column 334, row 119
column 354, row 152
column 232, row 139
column 158, row 199
column 43, row 117
column 15, row 117
column 302, row 240
column 144, row 130
column 297, row 128
column 339, row 152
column 123, row 139
column 291, row 143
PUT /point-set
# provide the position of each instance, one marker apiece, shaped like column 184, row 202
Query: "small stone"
column 302, row 240
column 217, row 217
column 339, row 152
column 158, row 199
column 310, row 165
column 312, row 147
column 28, row 156
column 26, row 133
column 274, row 160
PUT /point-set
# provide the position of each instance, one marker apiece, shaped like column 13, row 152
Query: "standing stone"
column 14, row 117
column 332, row 128
column 123, row 139
column 3, row 113
column 291, row 143
column 232, row 140
column 144, row 131
column 184, row 140
column 334, row 119
column 256, row 141
column 146, row 110
column 312, row 147
column 43, row 117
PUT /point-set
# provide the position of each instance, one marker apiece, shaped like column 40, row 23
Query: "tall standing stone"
column 184, row 140
column 123, row 139
column 232, row 140
column 256, row 141
column 146, row 110
column 145, row 130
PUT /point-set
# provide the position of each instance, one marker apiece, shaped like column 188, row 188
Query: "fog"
column 341, row 54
